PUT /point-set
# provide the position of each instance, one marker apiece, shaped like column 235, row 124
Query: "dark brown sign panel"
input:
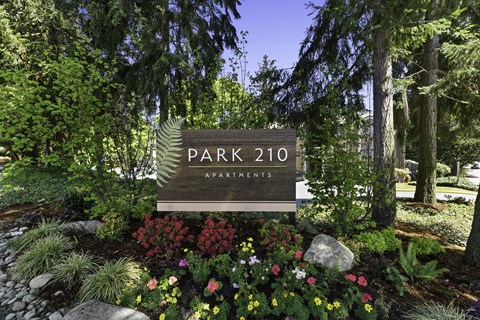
column 233, row 170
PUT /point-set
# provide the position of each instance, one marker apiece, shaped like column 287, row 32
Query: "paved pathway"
column 304, row 196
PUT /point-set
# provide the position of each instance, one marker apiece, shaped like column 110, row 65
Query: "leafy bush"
column 162, row 235
column 73, row 269
column 276, row 235
column 414, row 269
column 107, row 283
column 402, row 175
column 42, row 256
column 443, row 170
column 397, row 278
column 463, row 183
column 114, row 227
column 433, row 310
column 42, row 230
column 216, row 238
column 426, row 246
column 379, row 241
column 24, row 183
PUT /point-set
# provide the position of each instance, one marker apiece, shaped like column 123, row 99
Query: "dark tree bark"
column 384, row 195
column 472, row 252
column 427, row 177
column 401, row 120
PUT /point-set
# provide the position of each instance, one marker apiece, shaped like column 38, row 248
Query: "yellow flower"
column 292, row 294
column 236, row 296
column 206, row 306
column 198, row 314
column 317, row 301
column 256, row 303
column 208, row 318
column 330, row 306
column 250, row 239
column 274, row 302
column 250, row 307
column 250, row 297
column 242, row 318
column 162, row 317
column 139, row 299
column 252, row 251
column 284, row 294
column 336, row 304
column 368, row 307
column 118, row 301
column 185, row 250
column 216, row 310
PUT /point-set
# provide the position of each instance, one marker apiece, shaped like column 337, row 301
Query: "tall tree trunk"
column 401, row 121
column 384, row 195
column 427, row 177
column 472, row 252
column 164, row 69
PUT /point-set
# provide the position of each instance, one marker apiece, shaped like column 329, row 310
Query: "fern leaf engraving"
column 168, row 148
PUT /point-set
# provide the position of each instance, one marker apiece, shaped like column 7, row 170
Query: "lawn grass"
column 440, row 189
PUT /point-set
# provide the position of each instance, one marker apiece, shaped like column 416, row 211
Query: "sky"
column 275, row 28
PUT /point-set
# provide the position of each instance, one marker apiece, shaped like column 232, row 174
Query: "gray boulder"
column 330, row 253
column 102, row 311
column 40, row 281
column 81, row 227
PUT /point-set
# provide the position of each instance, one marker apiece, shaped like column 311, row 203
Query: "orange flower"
column 152, row 284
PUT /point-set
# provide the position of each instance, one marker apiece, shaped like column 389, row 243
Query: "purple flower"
column 183, row 263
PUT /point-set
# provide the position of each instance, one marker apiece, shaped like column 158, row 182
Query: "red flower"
column 298, row 254
column 366, row 297
column 311, row 280
column 212, row 286
column 352, row 277
column 275, row 269
column 362, row 281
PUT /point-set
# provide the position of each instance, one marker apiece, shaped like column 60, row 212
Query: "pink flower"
column 366, row 297
column 172, row 280
column 362, row 281
column 183, row 263
column 352, row 277
column 298, row 254
column 212, row 286
column 311, row 280
column 275, row 269
column 152, row 284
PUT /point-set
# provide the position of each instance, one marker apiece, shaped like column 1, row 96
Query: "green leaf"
column 169, row 140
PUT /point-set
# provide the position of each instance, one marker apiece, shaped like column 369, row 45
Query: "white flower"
column 234, row 269
column 235, row 285
column 253, row 260
column 299, row 274
column 242, row 262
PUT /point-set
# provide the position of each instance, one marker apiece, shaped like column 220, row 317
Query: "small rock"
column 19, row 286
column 56, row 316
column 18, row 306
column 40, row 281
column 28, row 298
column 81, row 227
column 12, row 301
column 30, row 307
column 99, row 310
column 23, row 229
column 21, row 294
column 44, row 303
column 34, row 291
column 9, row 260
column 3, row 277
column 10, row 284
column 11, row 316
column 58, row 293
column 29, row 315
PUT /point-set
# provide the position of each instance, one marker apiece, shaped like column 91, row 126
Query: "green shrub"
column 42, row 256
column 379, row 241
column 463, row 183
column 433, row 310
column 24, row 183
column 402, row 175
column 107, row 282
column 414, row 269
column 73, row 269
column 426, row 246
column 443, row 170
column 114, row 227
column 397, row 279
column 42, row 230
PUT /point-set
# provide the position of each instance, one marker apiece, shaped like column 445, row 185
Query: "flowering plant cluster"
column 162, row 235
column 276, row 235
column 216, row 238
column 253, row 288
